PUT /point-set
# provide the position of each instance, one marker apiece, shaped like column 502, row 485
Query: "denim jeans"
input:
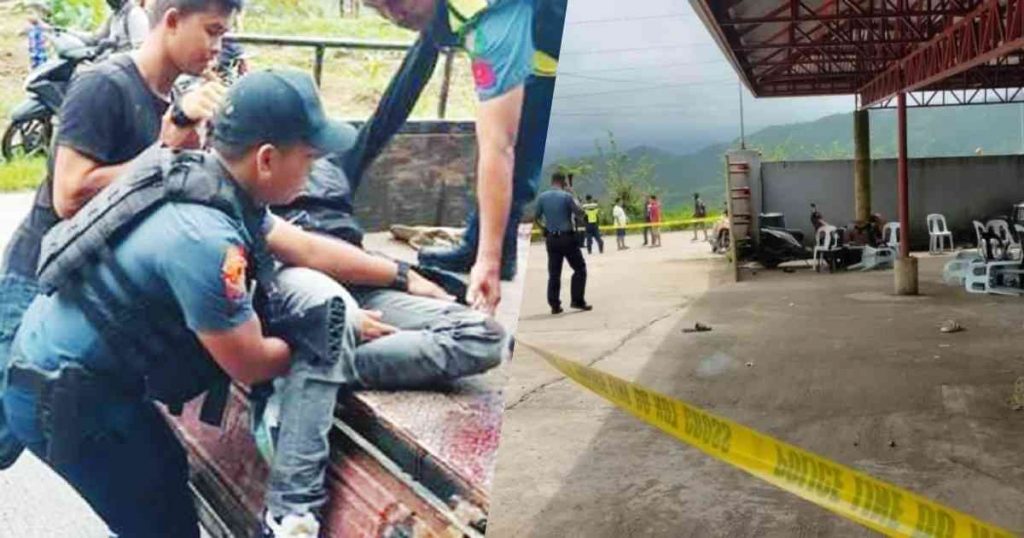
column 594, row 234
column 131, row 469
column 437, row 342
column 16, row 293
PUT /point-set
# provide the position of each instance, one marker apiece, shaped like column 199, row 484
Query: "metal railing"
column 320, row 46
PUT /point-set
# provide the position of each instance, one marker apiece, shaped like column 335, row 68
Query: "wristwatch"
column 179, row 117
column 401, row 281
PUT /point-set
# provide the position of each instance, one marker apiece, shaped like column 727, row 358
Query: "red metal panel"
column 902, row 175
column 366, row 499
column 991, row 31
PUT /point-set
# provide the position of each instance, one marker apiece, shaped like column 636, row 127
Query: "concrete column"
column 906, row 276
column 861, row 165
column 906, row 267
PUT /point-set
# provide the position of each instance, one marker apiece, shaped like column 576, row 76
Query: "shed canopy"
column 939, row 52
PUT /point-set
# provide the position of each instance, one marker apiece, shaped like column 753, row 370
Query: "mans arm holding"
column 206, row 274
column 342, row 261
column 91, row 119
column 538, row 216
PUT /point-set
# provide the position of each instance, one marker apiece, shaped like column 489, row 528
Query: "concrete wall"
column 425, row 176
column 961, row 188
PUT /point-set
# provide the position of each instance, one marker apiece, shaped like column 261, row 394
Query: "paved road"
column 837, row 365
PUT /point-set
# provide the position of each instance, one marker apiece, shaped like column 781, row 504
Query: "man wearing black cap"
column 112, row 112
column 163, row 287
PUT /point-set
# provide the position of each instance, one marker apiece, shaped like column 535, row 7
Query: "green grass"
column 261, row 20
column 22, row 174
column 353, row 81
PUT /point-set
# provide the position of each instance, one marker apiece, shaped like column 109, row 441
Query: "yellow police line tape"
column 883, row 507
column 706, row 220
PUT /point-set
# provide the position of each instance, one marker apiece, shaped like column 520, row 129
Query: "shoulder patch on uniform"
column 232, row 273
column 483, row 74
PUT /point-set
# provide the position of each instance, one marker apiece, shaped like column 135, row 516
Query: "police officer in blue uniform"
column 162, row 288
column 557, row 212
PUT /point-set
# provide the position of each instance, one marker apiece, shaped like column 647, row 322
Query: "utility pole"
column 743, row 136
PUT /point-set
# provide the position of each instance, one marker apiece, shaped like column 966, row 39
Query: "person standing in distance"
column 555, row 211
column 592, row 210
column 620, row 218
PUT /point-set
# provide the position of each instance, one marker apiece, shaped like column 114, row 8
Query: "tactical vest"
column 170, row 359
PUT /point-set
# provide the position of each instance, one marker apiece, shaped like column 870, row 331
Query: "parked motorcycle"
column 778, row 244
column 32, row 121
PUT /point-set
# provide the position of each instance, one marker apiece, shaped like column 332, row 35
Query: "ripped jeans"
column 437, row 342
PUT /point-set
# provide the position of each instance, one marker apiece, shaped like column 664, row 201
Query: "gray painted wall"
column 425, row 176
column 961, row 188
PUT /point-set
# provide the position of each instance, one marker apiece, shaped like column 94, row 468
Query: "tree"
column 627, row 179
column 579, row 169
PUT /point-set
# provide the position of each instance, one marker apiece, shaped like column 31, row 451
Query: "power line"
column 651, row 66
column 602, row 79
column 617, row 116
column 645, row 106
column 628, row 18
column 635, row 49
column 649, row 88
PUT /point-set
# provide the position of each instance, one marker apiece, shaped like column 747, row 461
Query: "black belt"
column 560, row 234
column 27, row 378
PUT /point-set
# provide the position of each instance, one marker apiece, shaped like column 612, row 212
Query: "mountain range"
column 932, row 132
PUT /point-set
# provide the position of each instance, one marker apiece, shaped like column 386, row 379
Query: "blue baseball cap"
column 280, row 107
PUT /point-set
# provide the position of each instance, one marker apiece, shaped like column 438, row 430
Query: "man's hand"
column 200, row 105
column 176, row 137
column 372, row 326
column 420, row 286
column 485, row 286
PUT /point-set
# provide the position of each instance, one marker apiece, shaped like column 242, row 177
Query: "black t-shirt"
column 109, row 115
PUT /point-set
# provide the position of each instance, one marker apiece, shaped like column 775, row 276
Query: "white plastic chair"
column 938, row 233
column 1001, row 229
column 875, row 258
column 826, row 239
column 979, row 233
column 891, row 235
column 956, row 270
column 981, row 275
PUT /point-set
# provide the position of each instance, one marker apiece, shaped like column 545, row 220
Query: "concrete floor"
column 839, row 367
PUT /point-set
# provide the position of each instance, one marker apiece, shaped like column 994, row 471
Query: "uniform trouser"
column 16, row 293
column 594, row 234
column 437, row 342
column 564, row 247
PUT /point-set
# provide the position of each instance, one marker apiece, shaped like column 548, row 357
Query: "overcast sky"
column 648, row 71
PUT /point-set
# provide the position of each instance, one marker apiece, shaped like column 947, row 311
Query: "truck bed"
column 410, row 463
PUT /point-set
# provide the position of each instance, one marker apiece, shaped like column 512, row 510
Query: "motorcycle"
column 779, row 244
column 32, row 127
